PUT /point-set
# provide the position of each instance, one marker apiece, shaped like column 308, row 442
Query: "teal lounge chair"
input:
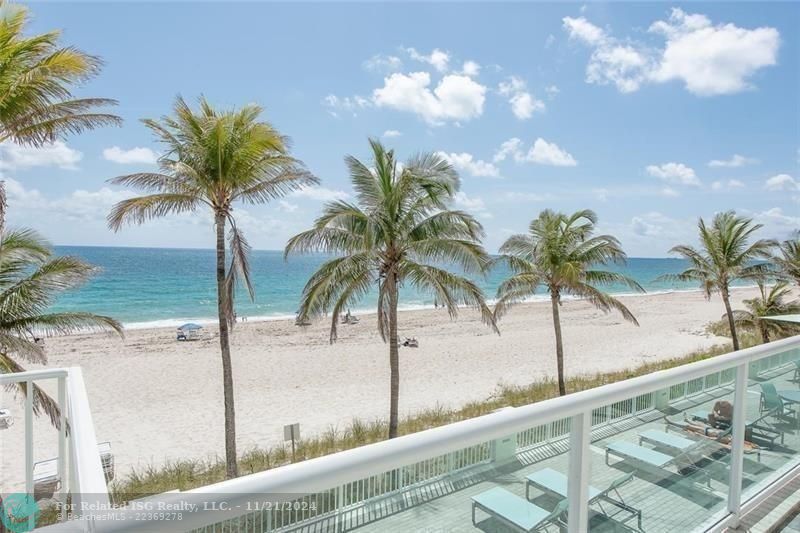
column 772, row 403
column 662, row 439
column 645, row 458
column 516, row 512
column 555, row 483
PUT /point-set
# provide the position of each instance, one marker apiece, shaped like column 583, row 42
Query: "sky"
column 651, row 114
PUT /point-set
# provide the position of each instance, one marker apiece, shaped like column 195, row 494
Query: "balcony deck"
column 668, row 502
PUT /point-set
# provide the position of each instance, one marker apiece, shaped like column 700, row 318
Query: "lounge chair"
column 772, row 403
column 796, row 370
column 645, row 458
column 662, row 439
column 555, row 483
column 516, row 512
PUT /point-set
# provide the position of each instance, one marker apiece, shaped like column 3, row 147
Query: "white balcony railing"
column 381, row 484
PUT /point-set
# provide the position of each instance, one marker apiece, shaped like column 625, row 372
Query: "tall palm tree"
column 211, row 160
column 725, row 255
column 561, row 254
column 770, row 302
column 400, row 230
column 31, row 278
column 36, row 79
column 788, row 258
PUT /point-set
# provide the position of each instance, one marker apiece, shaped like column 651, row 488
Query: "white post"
column 578, row 486
column 29, row 437
column 62, row 440
column 737, row 443
column 29, row 443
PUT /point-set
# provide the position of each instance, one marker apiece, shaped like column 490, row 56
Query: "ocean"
column 153, row 287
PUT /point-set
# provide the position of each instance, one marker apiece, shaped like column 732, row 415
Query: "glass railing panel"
column 437, row 490
column 658, row 462
column 773, row 419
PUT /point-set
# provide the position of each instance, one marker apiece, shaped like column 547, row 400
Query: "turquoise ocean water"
column 145, row 287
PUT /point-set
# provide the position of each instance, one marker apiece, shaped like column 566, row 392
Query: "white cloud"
column 777, row 224
column 542, row 152
column 320, row 194
column 438, row 59
column 548, row 42
column 601, row 194
column 735, row 161
column 471, row 203
column 136, row 155
column 455, row 98
column 583, row 30
column 669, row 192
column 351, row 104
column 523, row 103
column 383, row 63
column 511, row 147
column 782, row 182
column 721, row 185
column 392, row 133
column 467, row 163
column 471, row 68
column 546, row 153
column 78, row 205
column 709, row 59
column 58, row 154
column 642, row 227
column 552, row 91
column 287, row 207
column 676, row 173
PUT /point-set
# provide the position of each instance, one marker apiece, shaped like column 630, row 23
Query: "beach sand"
column 157, row 399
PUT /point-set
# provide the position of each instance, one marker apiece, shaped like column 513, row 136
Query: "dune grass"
column 191, row 473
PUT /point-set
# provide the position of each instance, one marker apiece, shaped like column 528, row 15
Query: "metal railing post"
column 29, row 488
column 62, row 441
column 737, row 443
column 578, row 486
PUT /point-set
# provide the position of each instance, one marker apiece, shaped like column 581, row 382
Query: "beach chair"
column 796, row 370
column 652, row 460
column 555, row 484
column 6, row 420
column 662, row 439
column 515, row 512
column 772, row 403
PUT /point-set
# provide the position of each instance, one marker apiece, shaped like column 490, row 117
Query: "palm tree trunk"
column 394, row 357
column 731, row 324
column 562, row 389
column 764, row 331
column 231, row 470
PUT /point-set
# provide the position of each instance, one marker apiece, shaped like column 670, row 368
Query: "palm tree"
column 30, row 280
column 36, row 101
column 400, row 230
column 789, row 259
column 561, row 254
column 771, row 302
column 213, row 159
column 725, row 255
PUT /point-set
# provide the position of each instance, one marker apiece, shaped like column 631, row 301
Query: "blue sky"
column 652, row 114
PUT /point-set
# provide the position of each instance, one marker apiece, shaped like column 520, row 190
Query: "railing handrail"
column 33, row 375
column 323, row 473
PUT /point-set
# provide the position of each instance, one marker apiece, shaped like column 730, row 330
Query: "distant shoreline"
column 539, row 298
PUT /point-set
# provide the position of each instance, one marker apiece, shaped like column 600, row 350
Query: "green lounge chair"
column 662, row 439
column 772, row 403
column 516, row 512
column 555, row 483
column 645, row 458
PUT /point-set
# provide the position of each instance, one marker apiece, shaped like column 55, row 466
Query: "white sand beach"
column 157, row 399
